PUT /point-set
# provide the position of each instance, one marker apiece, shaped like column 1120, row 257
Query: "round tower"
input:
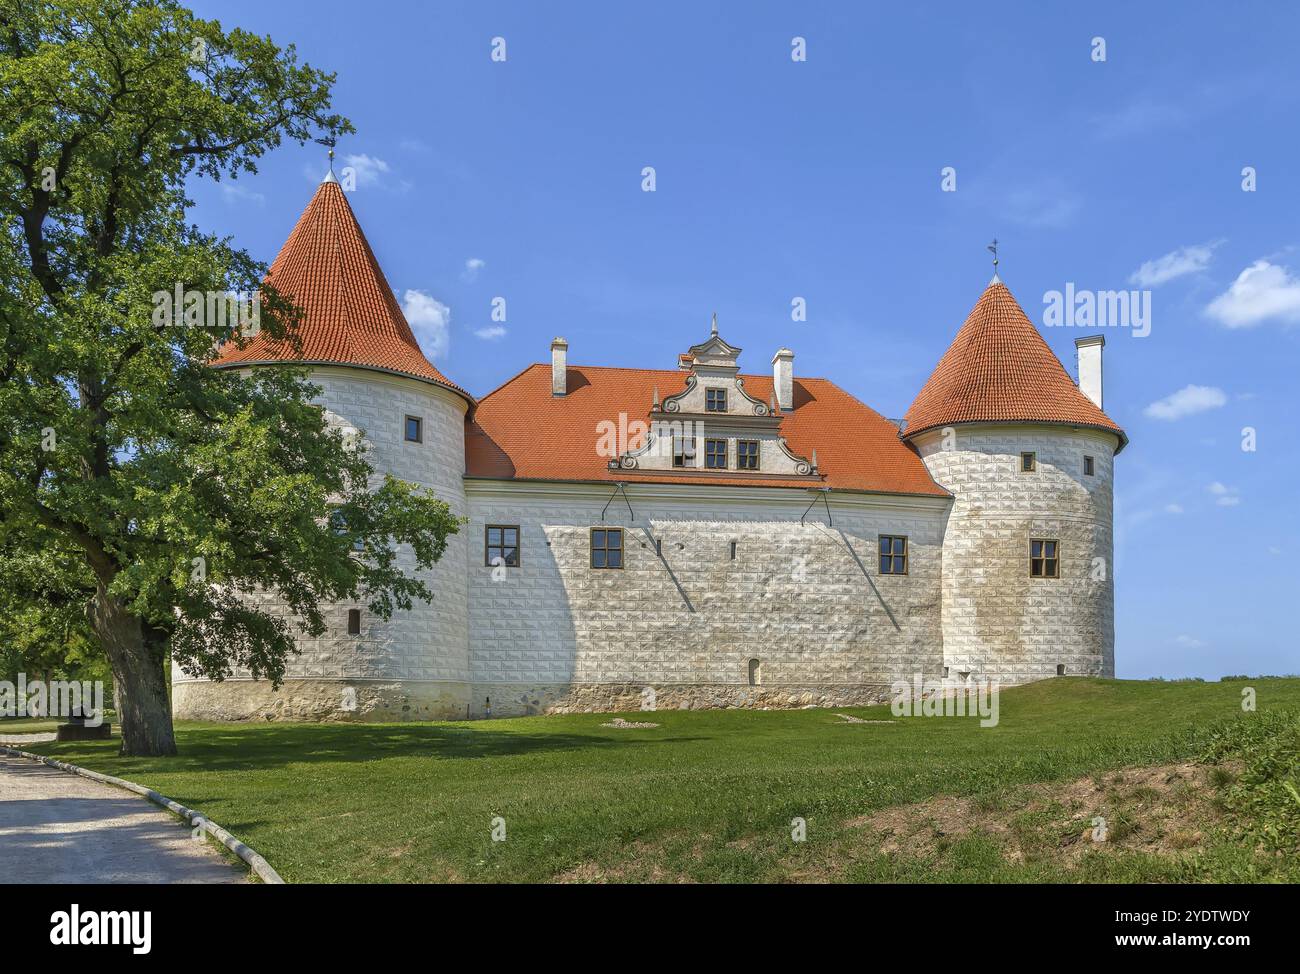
column 1028, row 574
column 374, row 379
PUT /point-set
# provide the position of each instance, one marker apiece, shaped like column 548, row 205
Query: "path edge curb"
column 263, row 869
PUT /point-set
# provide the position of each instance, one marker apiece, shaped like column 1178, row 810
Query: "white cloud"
column 1191, row 642
column 430, row 319
column 472, row 267
column 1045, row 203
column 1177, row 263
column 233, row 193
column 1260, row 292
column 1187, row 401
column 491, row 333
column 368, row 169
column 1224, row 495
column 1173, row 508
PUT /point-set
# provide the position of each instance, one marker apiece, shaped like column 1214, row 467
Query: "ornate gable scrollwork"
column 686, row 417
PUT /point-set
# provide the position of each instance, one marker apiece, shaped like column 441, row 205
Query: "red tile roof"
column 351, row 316
column 521, row 431
column 999, row 369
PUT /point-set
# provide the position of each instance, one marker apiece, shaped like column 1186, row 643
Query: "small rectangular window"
column 1088, row 466
column 893, row 554
column 715, row 400
column 414, row 429
column 1028, row 462
column 606, row 547
column 501, row 545
column 683, row 450
column 715, row 454
column 733, row 551
column 747, row 454
column 1044, row 558
column 354, row 622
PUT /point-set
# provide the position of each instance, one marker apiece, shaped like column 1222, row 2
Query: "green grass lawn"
column 28, row 725
column 711, row 795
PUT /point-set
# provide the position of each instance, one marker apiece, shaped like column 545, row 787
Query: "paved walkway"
column 62, row 828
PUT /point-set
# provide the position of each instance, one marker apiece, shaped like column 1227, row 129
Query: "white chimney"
column 1089, row 350
column 783, row 378
column 559, row 367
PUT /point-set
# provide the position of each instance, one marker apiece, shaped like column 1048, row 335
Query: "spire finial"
column 714, row 330
column 993, row 249
column 329, row 176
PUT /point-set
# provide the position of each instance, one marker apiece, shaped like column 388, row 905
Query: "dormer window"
column 715, row 454
column 715, row 400
column 683, row 450
column 747, row 454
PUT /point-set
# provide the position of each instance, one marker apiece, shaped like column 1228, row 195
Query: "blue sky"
column 821, row 179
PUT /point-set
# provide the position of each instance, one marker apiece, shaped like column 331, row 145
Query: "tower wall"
column 414, row 665
column 998, row 621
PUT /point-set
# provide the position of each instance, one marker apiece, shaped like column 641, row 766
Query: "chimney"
column 1089, row 350
column 559, row 367
column 783, row 378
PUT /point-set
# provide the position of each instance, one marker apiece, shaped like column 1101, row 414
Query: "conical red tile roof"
column 351, row 316
column 999, row 369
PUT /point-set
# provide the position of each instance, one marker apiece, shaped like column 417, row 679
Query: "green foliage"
column 1264, row 799
column 132, row 475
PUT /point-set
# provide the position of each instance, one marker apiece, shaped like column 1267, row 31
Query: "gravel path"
column 61, row 828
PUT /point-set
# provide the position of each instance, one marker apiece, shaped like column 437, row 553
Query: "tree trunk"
column 139, row 682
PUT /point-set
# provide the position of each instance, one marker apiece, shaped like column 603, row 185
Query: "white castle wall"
column 998, row 622
column 557, row 635
column 415, row 665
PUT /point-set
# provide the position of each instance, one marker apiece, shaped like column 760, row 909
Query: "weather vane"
column 993, row 248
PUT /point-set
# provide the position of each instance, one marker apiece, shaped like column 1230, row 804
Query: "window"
column 501, row 541
column 683, row 450
column 414, row 429
column 1028, row 462
column 339, row 527
column 755, row 673
column 606, row 547
column 715, row 400
column 893, row 555
column 1088, row 466
column 1060, row 669
column 354, row 622
column 733, row 551
column 1044, row 558
column 747, row 454
column 715, row 454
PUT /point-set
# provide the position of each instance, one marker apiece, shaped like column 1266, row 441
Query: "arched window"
column 755, row 673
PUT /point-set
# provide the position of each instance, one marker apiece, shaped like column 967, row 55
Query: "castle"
column 695, row 536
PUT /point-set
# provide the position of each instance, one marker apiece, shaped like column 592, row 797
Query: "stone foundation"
column 320, row 700
column 380, row 702
column 513, row 700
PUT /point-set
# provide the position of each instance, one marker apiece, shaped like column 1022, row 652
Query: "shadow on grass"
column 273, row 746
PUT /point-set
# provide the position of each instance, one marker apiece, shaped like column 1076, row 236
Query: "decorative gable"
column 714, row 426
